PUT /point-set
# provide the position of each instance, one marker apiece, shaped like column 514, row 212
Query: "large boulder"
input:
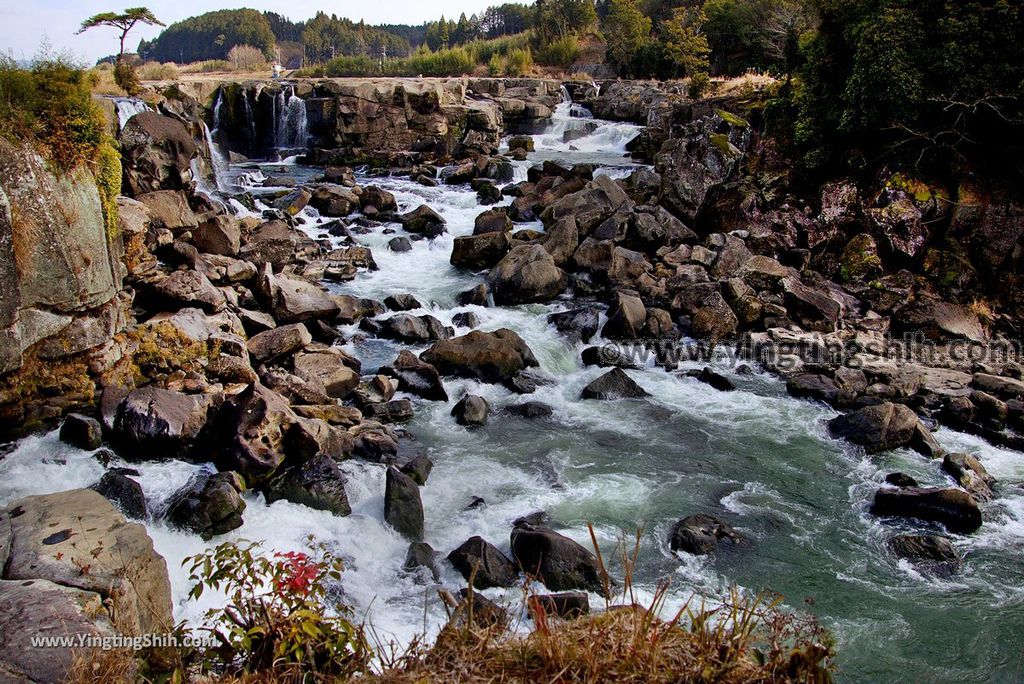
column 471, row 410
column 423, row 221
column 614, row 384
column 277, row 243
column 954, row 508
column 326, row 366
column 480, row 251
column 492, row 221
column 293, row 202
column 183, row 289
column 250, row 432
column 930, row 554
column 81, row 431
column 970, row 474
column 697, row 161
column 317, row 483
column 600, row 198
column 334, row 200
column 57, row 261
column 938, row 321
column 714, row 319
column 579, row 325
column 277, row 342
column 124, row 492
column 626, row 317
column 209, row 505
column 490, row 357
column 526, row 274
column 557, row 561
column 152, row 422
column 169, row 209
column 403, row 509
column 156, row 153
column 884, row 426
column 561, row 240
column 377, row 198
column 36, row 608
column 218, row 235
column 413, row 329
column 482, row 562
column 54, row 536
column 292, row 300
column 700, row 534
column 416, row 376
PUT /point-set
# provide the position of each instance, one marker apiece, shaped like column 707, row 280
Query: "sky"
column 26, row 24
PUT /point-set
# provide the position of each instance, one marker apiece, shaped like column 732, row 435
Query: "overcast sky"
column 25, row 23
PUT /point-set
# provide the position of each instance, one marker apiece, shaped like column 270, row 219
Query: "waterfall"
column 566, row 97
column 249, row 118
column 218, row 160
column 216, row 109
column 573, row 128
column 290, row 121
column 127, row 107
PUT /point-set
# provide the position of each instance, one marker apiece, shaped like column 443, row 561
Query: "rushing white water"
column 756, row 457
column 127, row 107
column 583, row 138
column 290, row 130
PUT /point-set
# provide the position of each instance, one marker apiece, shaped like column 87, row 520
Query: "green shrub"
column 277, row 618
column 451, row 62
column 126, row 78
column 483, row 51
column 51, row 105
column 360, row 65
column 700, row 84
column 519, row 62
column 561, row 52
column 496, row 65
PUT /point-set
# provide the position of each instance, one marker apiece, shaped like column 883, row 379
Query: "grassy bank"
column 506, row 56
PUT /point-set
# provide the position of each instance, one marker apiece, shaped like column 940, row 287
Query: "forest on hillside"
column 927, row 82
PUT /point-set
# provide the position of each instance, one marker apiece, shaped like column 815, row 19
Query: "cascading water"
column 218, row 160
column 290, row 130
column 250, row 119
column 127, row 107
column 576, row 137
column 756, row 457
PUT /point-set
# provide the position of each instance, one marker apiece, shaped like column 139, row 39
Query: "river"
column 756, row 457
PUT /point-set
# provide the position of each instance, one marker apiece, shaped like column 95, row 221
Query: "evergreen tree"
column 626, row 30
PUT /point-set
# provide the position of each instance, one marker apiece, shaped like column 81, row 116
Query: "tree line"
column 211, row 36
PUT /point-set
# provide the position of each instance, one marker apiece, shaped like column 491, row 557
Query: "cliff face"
column 60, row 268
column 349, row 119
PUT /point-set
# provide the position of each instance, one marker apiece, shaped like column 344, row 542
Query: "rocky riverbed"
column 458, row 331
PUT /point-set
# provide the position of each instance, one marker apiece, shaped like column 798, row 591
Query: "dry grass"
column 741, row 639
column 155, row 71
column 747, row 84
column 103, row 81
column 103, row 667
column 983, row 310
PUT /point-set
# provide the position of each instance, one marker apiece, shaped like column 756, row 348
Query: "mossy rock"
column 108, row 181
column 917, row 189
column 859, row 260
column 732, row 119
column 721, row 142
